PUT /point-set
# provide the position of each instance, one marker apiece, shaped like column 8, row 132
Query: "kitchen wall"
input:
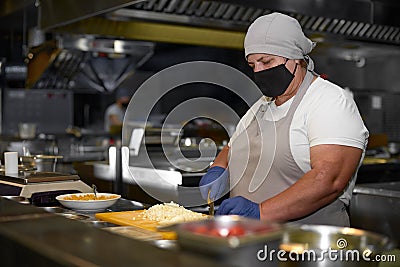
column 165, row 55
column 370, row 71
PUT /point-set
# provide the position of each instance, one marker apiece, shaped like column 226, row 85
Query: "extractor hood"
column 86, row 61
column 84, row 25
column 361, row 20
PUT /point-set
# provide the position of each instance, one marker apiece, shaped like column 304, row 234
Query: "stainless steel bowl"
column 330, row 246
column 325, row 237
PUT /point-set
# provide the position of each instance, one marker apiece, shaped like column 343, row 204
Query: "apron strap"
column 308, row 78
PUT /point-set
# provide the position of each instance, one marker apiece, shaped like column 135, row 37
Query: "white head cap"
column 280, row 35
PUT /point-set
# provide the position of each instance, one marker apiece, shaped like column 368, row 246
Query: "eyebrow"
column 258, row 59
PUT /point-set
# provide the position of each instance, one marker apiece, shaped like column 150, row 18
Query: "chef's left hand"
column 240, row 206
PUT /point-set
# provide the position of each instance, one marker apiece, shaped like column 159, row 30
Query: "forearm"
column 222, row 158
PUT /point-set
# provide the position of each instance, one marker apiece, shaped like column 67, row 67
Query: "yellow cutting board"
column 134, row 218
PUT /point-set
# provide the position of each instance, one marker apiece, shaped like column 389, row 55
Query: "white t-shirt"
column 327, row 114
column 114, row 109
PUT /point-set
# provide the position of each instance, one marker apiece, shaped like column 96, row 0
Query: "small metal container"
column 54, row 209
column 165, row 244
column 65, row 213
column 231, row 240
column 100, row 224
column 135, row 233
column 73, row 216
column 222, row 233
column 21, row 169
column 19, row 199
column 42, row 163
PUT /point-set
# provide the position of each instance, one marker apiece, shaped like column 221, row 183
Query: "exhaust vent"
column 230, row 16
column 350, row 29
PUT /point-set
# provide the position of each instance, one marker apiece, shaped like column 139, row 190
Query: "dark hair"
column 122, row 92
column 303, row 63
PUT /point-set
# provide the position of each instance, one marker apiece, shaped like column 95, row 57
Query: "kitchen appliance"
column 41, row 187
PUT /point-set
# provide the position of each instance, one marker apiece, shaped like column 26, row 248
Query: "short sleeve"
column 335, row 119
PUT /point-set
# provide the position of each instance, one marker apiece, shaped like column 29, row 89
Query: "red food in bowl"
column 235, row 230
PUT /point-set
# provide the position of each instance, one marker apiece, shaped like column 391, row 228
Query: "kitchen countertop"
column 88, row 156
column 30, row 235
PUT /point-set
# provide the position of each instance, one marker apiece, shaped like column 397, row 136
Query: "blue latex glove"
column 215, row 179
column 239, row 206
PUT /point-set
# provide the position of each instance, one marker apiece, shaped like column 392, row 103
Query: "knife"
column 210, row 204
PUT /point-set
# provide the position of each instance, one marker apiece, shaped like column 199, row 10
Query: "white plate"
column 88, row 205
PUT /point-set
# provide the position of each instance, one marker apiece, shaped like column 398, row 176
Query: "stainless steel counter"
column 30, row 236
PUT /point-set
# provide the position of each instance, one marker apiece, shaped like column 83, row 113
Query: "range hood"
column 86, row 61
column 86, row 29
column 362, row 20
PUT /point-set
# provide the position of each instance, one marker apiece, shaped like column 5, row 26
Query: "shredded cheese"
column 170, row 213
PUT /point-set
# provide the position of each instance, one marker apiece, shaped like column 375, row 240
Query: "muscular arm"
column 332, row 166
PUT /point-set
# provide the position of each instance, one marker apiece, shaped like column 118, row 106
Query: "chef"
column 114, row 114
column 295, row 154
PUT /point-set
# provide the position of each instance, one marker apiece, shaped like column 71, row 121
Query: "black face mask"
column 274, row 81
column 124, row 105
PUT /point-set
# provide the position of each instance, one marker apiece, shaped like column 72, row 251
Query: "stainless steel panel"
column 376, row 207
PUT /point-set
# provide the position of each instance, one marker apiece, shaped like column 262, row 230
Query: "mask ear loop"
column 286, row 61
column 310, row 65
column 295, row 68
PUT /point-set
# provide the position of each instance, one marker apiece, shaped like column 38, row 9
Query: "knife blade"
column 210, row 204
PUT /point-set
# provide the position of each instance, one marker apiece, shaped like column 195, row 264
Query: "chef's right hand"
column 217, row 180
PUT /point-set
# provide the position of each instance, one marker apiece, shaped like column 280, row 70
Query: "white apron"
column 261, row 164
